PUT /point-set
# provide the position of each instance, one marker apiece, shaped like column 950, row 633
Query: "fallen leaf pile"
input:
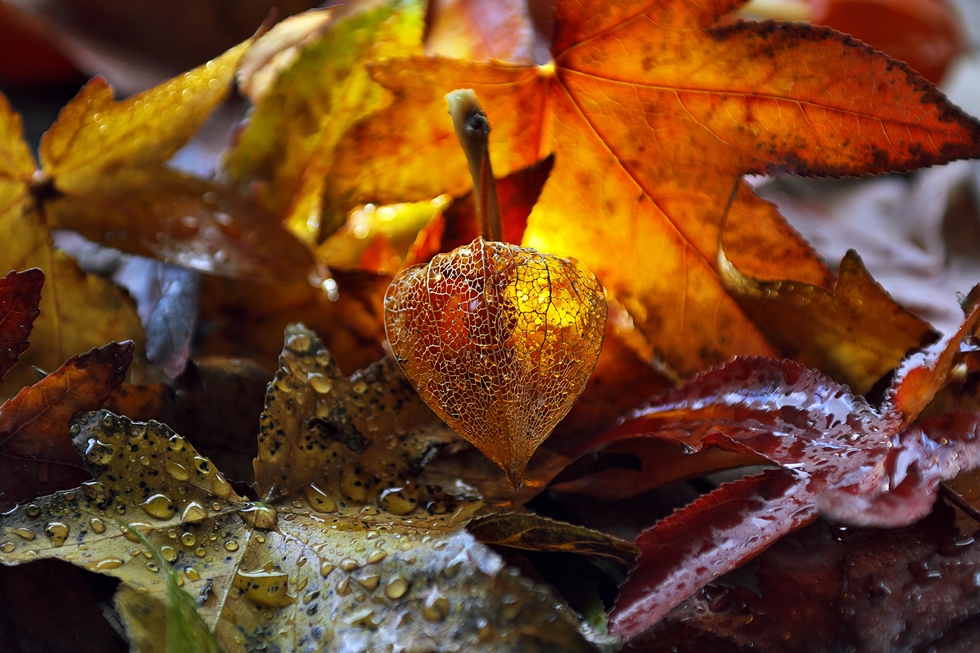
column 340, row 512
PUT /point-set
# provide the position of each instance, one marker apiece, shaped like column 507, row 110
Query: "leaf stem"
column 473, row 131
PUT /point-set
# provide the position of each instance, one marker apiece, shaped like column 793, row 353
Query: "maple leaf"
column 343, row 520
column 838, row 456
column 652, row 111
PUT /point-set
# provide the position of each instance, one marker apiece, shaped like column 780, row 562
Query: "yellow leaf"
column 96, row 134
column 290, row 142
column 78, row 311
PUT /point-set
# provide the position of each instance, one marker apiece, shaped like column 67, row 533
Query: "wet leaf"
column 291, row 139
column 96, row 134
column 158, row 212
column 831, row 587
column 20, row 294
column 499, row 340
column 183, row 629
column 349, row 526
column 652, row 112
column 854, row 333
column 841, row 458
column 36, row 455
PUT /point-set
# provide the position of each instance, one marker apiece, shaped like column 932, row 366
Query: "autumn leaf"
column 838, row 587
column 652, row 113
column 830, row 330
column 20, row 294
column 68, row 323
column 344, row 521
column 839, row 457
column 291, row 140
column 35, row 453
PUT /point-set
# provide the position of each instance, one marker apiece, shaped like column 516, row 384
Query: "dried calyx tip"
column 473, row 131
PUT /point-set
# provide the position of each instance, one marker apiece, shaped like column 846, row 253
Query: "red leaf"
column 36, row 453
column 715, row 534
column 20, row 293
column 849, row 461
column 831, row 588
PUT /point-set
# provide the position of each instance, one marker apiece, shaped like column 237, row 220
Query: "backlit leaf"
column 652, row 113
column 78, row 311
column 291, row 139
column 96, row 134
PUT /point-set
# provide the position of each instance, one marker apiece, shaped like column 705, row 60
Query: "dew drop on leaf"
column 159, row 506
column 56, row 532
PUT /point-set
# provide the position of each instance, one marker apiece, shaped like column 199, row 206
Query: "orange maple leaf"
column 654, row 109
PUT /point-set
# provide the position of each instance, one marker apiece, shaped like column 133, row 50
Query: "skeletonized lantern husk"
column 499, row 341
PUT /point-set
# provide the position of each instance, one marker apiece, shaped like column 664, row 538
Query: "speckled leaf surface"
column 349, row 554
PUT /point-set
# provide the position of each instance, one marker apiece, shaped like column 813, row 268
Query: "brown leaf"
column 854, row 333
column 536, row 533
column 37, row 453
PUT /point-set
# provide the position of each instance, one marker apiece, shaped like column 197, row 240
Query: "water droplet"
column 349, row 565
column 319, row 500
column 370, row 583
column 436, row 608
column 220, row 486
column 192, row 574
column 359, row 386
column 194, row 512
column 7, row 547
column 377, row 556
column 231, row 545
column 176, row 470
column 168, row 553
column 396, row 588
column 326, row 568
column 97, row 525
column 298, row 343
column 121, row 509
column 200, row 552
column 24, row 533
column 56, row 532
column 363, row 619
column 343, row 587
column 159, row 506
column 263, row 587
column 107, row 563
column 32, row 510
column 145, row 460
column 319, row 383
column 187, row 539
column 297, row 504
column 152, row 567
